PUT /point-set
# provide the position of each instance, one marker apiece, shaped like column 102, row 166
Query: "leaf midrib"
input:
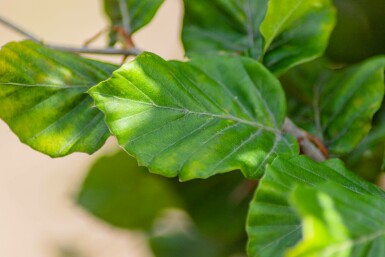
column 189, row 112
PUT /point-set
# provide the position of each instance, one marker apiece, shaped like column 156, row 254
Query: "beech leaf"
column 44, row 100
column 196, row 119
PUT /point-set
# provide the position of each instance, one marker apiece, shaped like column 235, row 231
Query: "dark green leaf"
column 357, row 17
column 43, row 98
column 186, row 244
column 230, row 26
column 273, row 225
column 339, row 222
column 219, row 207
column 296, row 31
column 338, row 106
column 281, row 33
column 125, row 195
column 367, row 159
column 131, row 15
column 196, row 119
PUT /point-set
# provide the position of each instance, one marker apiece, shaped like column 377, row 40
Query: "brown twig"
column 96, row 36
column 104, row 51
column 309, row 144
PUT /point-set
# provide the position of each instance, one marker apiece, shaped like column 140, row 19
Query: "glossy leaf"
column 336, row 225
column 281, row 33
column 43, row 98
column 273, row 225
column 125, row 195
column 131, row 15
column 338, row 106
column 194, row 120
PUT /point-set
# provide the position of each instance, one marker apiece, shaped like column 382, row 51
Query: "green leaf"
column 296, row 31
column 43, row 98
column 125, row 195
column 338, row 105
column 230, row 193
column 336, row 225
column 229, row 26
column 281, row 33
column 273, row 225
column 131, row 15
column 121, row 193
column 367, row 159
column 188, row 243
column 196, row 119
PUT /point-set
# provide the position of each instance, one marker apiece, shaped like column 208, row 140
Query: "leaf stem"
column 317, row 112
column 19, row 30
column 103, row 51
column 125, row 16
column 310, row 145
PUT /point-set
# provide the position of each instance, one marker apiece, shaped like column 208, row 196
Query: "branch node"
column 309, row 144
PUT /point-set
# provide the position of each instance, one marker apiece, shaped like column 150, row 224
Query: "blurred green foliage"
column 360, row 30
column 125, row 195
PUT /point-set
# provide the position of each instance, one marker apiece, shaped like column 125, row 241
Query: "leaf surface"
column 336, row 225
column 296, row 31
column 196, row 119
column 43, row 98
column 273, row 224
column 281, row 33
column 337, row 105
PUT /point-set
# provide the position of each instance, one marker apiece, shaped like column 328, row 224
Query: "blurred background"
column 38, row 217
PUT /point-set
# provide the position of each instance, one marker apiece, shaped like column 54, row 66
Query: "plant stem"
column 88, row 50
column 19, row 30
column 104, row 51
column 125, row 16
column 309, row 144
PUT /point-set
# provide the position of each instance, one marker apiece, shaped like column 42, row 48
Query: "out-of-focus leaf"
column 367, row 159
column 338, row 106
column 281, row 33
column 131, row 15
column 357, row 17
column 218, row 205
column 186, row 244
column 43, row 98
column 125, row 195
column 273, row 225
column 338, row 222
column 197, row 119
column 177, row 236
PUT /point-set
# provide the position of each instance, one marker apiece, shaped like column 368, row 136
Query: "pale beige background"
column 37, row 214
